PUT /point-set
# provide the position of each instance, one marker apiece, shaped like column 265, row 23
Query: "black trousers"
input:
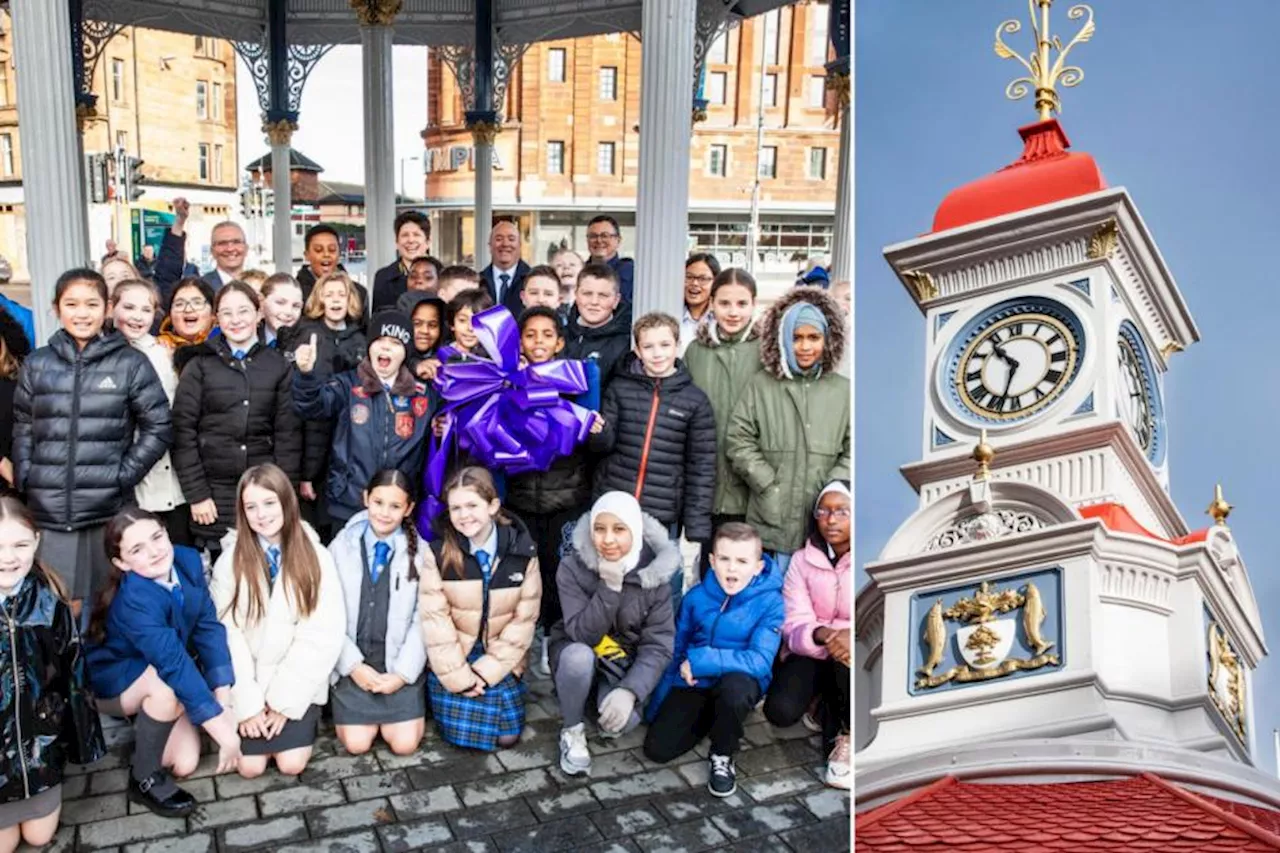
column 551, row 532
column 796, row 681
column 688, row 714
column 704, row 559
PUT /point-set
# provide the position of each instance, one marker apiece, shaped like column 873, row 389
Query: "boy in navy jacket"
column 381, row 412
column 727, row 636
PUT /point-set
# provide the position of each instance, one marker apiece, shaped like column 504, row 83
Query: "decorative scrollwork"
column 714, row 18
column 93, row 29
column 461, row 61
column 1044, row 77
column 301, row 59
column 984, row 527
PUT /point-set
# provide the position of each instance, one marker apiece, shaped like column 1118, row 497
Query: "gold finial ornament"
column 983, row 453
column 1045, row 77
column 922, row 284
column 1219, row 509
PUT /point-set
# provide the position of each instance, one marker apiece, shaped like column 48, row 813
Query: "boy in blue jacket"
column 381, row 413
column 727, row 636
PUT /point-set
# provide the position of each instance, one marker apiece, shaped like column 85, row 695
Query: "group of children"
column 286, row 436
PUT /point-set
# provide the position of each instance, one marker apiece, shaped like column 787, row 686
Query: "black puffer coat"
column 564, row 485
column 660, row 443
column 50, row 718
column 338, row 351
column 88, row 425
column 606, row 345
column 229, row 415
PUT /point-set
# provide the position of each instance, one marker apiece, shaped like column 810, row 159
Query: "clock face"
column 1138, row 401
column 1013, row 361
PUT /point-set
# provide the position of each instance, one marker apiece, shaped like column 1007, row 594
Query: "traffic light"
column 269, row 203
column 96, row 174
column 133, row 179
column 246, row 202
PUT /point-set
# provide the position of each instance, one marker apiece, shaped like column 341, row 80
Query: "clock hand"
column 1013, row 368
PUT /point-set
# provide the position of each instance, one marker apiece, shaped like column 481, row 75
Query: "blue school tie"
column 381, row 559
column 239, row 354
column 482, row 557
column 273, row 562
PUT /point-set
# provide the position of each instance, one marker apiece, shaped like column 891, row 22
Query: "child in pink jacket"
column 816, row 641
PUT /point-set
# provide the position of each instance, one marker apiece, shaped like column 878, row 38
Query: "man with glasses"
column 603, row 239
column 227, row 242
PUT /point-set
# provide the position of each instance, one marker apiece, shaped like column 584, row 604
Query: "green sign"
column 149, row 227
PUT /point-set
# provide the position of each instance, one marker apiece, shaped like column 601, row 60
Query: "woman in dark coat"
column 233, row 410
column 90, row 419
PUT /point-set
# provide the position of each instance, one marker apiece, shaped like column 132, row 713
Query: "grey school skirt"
column 295, row 734
column 78, row 557
column 31, row 808
column 355, row 707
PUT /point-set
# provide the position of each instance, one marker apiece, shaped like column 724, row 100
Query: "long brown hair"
column 9, row 362
column 481, row 482
column 299, row 565
column 112, row 535
column 12, row 509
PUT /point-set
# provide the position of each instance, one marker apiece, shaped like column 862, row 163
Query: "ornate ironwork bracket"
column 461, row 61
column 839, row 31
column 90, row 32
column 714, row 18
column 301, row 59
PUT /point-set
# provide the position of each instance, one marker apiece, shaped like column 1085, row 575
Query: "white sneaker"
column 810, row 722
column 575, row 758
column 838, row 769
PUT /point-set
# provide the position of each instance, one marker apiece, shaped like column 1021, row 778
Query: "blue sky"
column 1179, row 106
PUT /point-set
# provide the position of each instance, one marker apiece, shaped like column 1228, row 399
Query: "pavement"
column 457, row 801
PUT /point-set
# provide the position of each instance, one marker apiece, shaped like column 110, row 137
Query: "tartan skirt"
column 477, row 722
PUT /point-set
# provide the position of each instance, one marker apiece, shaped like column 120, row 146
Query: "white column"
column 52, row 161
column 282, row 191
column 379, row 148
column 483, row 136
column 842, row 236
column 666, row 130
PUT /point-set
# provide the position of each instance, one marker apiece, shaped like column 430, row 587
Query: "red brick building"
column 569, row 145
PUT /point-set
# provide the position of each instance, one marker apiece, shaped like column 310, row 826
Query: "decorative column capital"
column 484, row 132
column 86, row 113
column 279, row 132
column 376, row 13
column 699, row 110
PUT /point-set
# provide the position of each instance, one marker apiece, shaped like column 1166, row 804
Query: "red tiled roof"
column 1119, row 519
column 1046, row 172
column 1143, row 812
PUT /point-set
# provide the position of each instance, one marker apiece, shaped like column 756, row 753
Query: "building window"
column 716, row 83
column 608, row 83
column 817, row 92
column 818, row 164
column 204, row 161
column 6, row 154
column 770, row 90
column 556, row 64
column 216, row 105
column 4, row 83
column 719, row 50
column 206, row 47
column 718, row 160
column 769, row 161
column 122, row 140
column 604, row 158
column 771, row 37
column 816, row 45
column 217, row 164
column 117, row 80
column 555, row 157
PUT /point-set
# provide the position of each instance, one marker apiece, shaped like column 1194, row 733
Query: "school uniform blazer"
column 282, row 661
column 406, row 654
column 145, row 628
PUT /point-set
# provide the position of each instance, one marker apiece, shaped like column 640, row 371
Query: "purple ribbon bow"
column 507, row 417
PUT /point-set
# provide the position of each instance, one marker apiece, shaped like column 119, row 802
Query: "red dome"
column 1045, row 173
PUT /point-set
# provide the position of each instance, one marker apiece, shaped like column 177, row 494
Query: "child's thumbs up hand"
column 305, row 355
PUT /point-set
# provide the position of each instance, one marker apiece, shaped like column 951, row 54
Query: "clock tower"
column 1046, row 614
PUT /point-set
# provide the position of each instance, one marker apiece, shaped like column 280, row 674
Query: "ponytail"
column 397, row 478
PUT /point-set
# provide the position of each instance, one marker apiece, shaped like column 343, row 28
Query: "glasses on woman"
column 840, row 514
column 197, row 304
column 698, row 279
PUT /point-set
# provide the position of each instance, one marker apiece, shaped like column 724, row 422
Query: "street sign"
column 148, row 228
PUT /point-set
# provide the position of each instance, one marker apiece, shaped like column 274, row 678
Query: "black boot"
column 177, row 803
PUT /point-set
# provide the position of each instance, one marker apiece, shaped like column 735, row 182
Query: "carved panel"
column 984, row 526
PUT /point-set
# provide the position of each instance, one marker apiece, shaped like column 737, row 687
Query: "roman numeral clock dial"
column 1013, row 361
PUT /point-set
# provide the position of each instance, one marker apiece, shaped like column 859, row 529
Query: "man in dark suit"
column 504, row 277
column 227, row 243
column 413, row 241
column 604, row 236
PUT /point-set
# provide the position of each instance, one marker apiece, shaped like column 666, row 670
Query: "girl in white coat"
column 379, row 682
column 134, row 304
column 280, row 598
